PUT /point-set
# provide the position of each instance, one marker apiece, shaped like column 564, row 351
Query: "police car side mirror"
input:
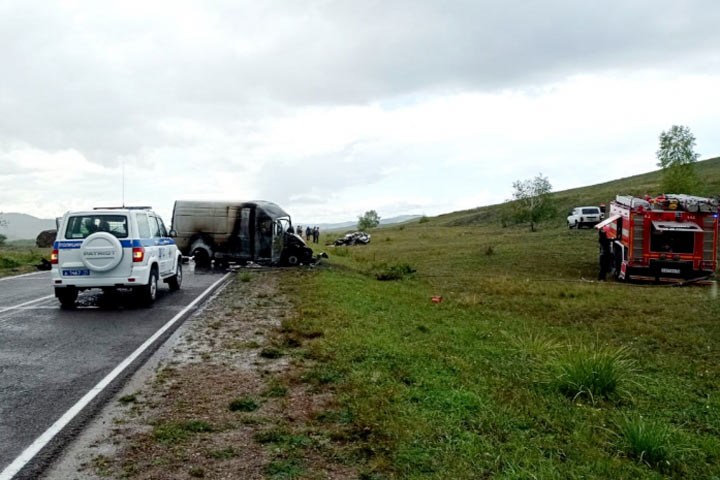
column 173, row 233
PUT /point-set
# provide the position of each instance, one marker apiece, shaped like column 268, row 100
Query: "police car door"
column 161, row 245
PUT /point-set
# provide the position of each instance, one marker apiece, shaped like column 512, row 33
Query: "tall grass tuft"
column 594, row 373
column 534, row 344
column 649, row 442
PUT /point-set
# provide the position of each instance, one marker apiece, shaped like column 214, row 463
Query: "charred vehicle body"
column 355, row 238
column 237, row 232
column 670, row 238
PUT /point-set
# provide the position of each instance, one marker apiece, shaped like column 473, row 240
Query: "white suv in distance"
column 584, row 216
column 112, row 248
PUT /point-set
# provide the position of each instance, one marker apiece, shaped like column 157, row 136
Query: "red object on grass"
column 436, row 299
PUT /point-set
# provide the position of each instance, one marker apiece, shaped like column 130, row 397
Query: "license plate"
column 670, row 270
column 76, row 272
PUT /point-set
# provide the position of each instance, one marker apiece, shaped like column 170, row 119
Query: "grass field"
column 20, row 256
column 528, row 368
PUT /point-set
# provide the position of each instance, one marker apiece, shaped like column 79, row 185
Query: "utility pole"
column 123, row 182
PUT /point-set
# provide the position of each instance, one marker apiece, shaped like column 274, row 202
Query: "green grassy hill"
column 647, row 183
column 528, row 368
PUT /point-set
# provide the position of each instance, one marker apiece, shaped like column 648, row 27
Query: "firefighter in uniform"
column 605, row 257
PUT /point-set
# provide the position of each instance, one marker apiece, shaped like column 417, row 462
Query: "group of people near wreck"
column 313, row 232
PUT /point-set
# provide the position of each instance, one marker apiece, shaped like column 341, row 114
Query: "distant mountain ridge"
column 21, row 226
column 352, row 224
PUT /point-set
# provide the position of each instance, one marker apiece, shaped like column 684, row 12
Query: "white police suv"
column 110, row 248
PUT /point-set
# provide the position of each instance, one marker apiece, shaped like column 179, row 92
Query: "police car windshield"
column 82, row 226
column 590, row 211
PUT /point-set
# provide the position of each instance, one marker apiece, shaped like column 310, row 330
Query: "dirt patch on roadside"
column 230, row 403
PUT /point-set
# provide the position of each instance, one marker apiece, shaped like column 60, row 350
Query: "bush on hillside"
column 532, row 201
column 395, row 271
column 368, row 220
column 677, row 158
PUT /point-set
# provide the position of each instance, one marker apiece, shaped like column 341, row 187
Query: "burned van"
column 224, row 232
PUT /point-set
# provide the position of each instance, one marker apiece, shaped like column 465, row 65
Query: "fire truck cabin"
column 670, row 238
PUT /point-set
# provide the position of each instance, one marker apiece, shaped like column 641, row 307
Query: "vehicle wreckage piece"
column 355, row 238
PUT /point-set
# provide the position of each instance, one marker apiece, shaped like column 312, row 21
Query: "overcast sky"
column 331, row 108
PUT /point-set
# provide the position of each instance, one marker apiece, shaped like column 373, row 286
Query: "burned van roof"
column 272, row 210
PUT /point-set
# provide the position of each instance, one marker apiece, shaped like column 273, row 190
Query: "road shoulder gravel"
column 222, row 398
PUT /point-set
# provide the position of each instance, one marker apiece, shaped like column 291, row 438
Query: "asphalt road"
column 50, row 358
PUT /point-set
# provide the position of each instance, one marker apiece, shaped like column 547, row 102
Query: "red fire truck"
column 670, row 238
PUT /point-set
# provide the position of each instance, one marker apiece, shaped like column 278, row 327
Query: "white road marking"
column 19, row 276
column 42, row 307
column 27, row 455
column 21, row 305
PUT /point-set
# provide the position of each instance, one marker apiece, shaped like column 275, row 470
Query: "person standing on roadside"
column 316, row 235
column 308, row 231
column 604, row 244
column 299, row 231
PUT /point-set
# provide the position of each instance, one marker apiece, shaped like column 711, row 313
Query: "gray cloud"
column 100, row 77
column 186, row 87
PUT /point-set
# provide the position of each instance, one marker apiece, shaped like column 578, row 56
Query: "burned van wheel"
column 67, row 297
column 292, row 260
column 202, row 259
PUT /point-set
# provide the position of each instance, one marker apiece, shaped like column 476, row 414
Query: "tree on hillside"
column 677, row 158
column 2, row 239
column 3, row 222
column 532, row 201
column 369, row 220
